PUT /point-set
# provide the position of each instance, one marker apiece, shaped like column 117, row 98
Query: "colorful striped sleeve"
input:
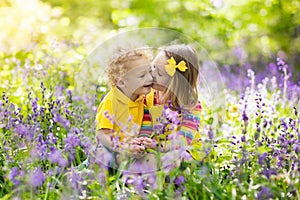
column 190, row 124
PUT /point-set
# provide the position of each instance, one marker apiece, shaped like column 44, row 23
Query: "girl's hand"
column 148, row 142
column 135, row 146
column 136, row 141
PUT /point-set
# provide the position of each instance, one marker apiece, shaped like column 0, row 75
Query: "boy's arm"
column 106, row 138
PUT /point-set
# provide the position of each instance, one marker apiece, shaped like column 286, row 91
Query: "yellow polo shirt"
column 119, row 113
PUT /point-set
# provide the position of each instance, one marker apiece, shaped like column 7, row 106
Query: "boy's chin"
column 144, row 90
column 147, row 89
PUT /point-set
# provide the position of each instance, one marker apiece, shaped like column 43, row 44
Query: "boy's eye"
column 159, row 72
column 142, row 76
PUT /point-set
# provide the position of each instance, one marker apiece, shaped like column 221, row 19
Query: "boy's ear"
column 120, row 83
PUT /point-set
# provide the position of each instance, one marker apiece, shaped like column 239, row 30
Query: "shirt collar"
column 121, row 97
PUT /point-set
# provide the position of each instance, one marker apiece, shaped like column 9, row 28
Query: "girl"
column 175, row 76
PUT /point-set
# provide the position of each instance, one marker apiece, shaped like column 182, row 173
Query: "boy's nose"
column 153, row 73
column 150, row 77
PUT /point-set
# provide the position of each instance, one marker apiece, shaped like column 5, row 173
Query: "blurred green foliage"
column 233, row 32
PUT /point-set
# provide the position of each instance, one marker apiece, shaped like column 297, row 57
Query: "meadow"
column 251, row 149
column 48, row 149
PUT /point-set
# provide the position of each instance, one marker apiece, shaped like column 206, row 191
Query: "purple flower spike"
column 210, row 134
column 56, row 157
column 71, row 141
column 261, row 158
column 36, row 178
column 269, row 172
column 264, row 193
column 13, row 174
column 244, row 116
column 179, row 180
column 296, row 148
column 243, row 138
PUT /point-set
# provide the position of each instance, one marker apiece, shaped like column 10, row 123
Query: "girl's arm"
column 187, row 131
column 190, row 124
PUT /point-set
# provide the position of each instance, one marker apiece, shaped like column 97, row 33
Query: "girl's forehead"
column 160, row 58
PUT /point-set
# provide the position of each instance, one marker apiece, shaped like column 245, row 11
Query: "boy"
column 119, row 115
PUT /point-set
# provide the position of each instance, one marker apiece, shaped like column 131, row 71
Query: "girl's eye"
column 142, row 76
column 152, row 68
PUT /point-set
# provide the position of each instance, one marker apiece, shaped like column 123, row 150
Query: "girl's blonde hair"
column 182, row 89
column 120, row 65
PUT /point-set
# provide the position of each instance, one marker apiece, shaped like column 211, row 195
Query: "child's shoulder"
column 150, row 98
column 106, row 99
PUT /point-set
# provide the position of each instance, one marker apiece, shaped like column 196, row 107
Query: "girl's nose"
column 153, row 72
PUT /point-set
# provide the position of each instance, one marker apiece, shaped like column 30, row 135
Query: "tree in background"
column 233, row 32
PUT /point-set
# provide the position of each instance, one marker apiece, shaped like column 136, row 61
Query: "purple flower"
column 34, row 105
column 296, row 147
column 158, row 129
column 75, row 179
column 269, row 172
column 59, row 90
column 115, row 143
column 261, row 158
column 51, row 138
column 281, row 64
column 185, row 155
column 243, row 138
column 61, row 120
column 210, row 134
column 138, row 182
column 244, row 116
column 264, row 193
column 101, row 157
column 24, row 132
column 283, row 124
column 140, row 174
column 71, row 141
column 36, row 178
column 281, row 138
column 171, row 115
column 295, row 111
column 39, row 151
column 55, row 156
column 179, row 180
column 13, row 176
column 140, row 168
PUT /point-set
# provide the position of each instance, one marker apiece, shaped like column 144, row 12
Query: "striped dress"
column 187, row 130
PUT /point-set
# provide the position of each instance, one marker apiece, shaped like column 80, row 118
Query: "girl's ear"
column 120, row 83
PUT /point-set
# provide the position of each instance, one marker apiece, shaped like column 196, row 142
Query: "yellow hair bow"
column 171, row 66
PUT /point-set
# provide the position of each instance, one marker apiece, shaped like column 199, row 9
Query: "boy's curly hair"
column 119, row 65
